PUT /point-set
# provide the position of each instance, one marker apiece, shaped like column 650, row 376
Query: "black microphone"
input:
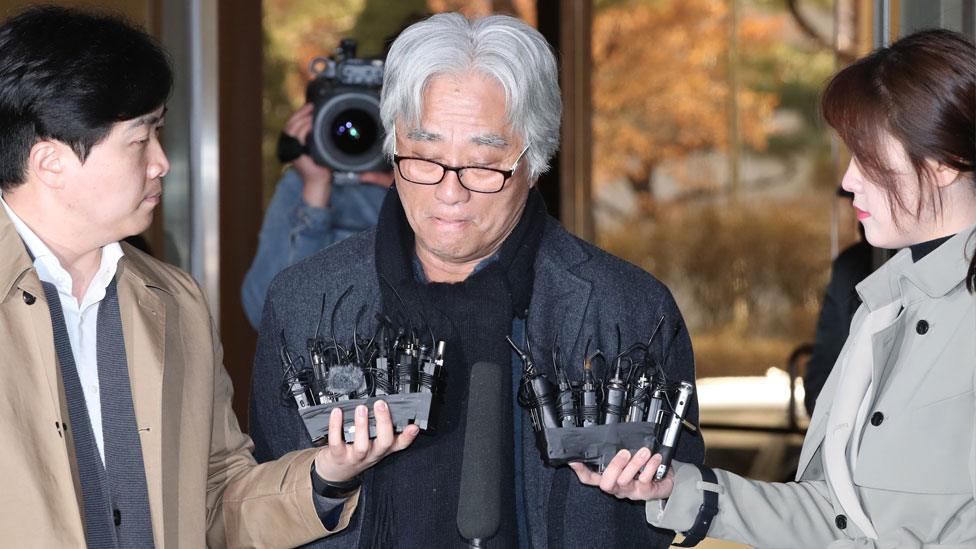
column 480, row 500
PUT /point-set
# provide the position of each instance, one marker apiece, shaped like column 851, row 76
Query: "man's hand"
column 629, row 478
column 339, row 462
column 316, row 180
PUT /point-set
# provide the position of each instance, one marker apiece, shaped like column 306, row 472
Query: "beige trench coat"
column 204, row 487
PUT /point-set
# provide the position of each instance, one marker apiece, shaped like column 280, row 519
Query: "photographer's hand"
column 316, row 180
column 383, row 179
column 339, row 462
column 629, row 478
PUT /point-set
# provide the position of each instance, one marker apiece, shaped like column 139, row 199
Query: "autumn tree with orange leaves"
column 661, row 84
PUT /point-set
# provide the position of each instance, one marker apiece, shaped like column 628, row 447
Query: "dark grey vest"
column 116, row 501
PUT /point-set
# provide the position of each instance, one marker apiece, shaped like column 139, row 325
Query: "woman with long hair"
column 889, row 459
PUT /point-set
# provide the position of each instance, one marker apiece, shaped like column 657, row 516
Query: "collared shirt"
column 81, row 320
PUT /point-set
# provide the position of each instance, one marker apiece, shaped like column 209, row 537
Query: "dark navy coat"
column 580, row 293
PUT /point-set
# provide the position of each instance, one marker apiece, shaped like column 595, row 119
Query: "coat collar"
column 16, row 261
column 936, row 274
column 562, row 248
column 134, row 265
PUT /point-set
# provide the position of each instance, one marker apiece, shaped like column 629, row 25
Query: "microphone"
column 670, row 442
column 480, row 499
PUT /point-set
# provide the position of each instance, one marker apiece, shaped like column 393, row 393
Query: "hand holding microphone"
column 340, row 462
column 642, row 476
column 629, row 477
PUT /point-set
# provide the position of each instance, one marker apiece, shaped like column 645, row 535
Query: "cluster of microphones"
column 403, row 366
column 592, row 418
column 587, row 420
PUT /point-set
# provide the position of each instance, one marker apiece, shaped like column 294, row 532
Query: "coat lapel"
column 558, row 294
column 882, row 344
column 818, row 424
column 556, row 315
column 144, row 328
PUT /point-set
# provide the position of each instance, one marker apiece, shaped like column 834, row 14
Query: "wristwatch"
column 334, row 490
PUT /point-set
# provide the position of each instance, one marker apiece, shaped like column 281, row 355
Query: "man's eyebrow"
column 149, row 119
column 495, row 141
column 490, row 140
column 420, row 134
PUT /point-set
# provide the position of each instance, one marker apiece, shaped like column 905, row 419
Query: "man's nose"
column 450, row 190
column 159, row 165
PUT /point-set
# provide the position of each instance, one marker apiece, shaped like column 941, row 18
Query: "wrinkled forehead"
column 471, row 106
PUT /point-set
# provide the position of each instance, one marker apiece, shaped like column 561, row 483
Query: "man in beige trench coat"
column 115, row 409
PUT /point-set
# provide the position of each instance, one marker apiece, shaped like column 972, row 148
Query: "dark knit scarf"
column 412, row 496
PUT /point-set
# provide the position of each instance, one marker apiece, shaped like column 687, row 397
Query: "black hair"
column 69, row 75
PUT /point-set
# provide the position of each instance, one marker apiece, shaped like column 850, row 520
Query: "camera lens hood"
column 347, row 134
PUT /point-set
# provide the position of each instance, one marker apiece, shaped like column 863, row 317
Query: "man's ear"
column 46, row 163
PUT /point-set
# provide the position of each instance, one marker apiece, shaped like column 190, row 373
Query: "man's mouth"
column 449, row 221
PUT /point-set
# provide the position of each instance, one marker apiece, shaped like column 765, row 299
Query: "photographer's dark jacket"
column 580, row 294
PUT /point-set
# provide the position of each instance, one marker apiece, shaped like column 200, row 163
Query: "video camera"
column 347, row 134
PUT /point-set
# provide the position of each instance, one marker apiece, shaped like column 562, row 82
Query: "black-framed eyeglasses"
column 479, row 179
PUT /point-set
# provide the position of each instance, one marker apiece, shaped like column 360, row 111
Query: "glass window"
column 712, row 170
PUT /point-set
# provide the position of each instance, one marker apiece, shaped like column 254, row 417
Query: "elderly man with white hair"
column 471, row 110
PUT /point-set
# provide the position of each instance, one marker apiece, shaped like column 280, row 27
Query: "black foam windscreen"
column 480, row 501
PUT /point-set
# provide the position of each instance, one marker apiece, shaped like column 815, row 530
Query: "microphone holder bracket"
column 405, row 409
column 594, row 445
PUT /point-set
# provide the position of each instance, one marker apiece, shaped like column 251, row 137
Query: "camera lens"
column 347, row 134
column 354, row 131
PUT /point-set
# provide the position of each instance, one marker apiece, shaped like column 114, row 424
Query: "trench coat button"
column 117, row 517
column 29, row 298
column 877, row 418
column 922, row 327
column 840, row 521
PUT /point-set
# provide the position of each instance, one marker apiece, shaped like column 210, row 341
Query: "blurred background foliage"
column 712, row 169
column 661, row 86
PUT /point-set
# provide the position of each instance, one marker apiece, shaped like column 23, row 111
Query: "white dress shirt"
column 81, row 319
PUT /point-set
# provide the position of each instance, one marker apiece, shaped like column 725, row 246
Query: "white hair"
column 501, row 47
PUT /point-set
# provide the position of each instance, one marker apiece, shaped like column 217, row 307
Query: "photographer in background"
column 313, row 207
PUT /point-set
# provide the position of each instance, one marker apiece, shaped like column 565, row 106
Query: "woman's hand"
column 629, row 477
